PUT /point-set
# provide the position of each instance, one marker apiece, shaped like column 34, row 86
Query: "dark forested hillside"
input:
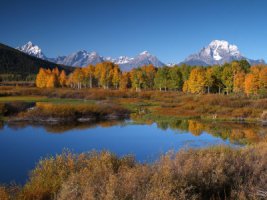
column 12, row 61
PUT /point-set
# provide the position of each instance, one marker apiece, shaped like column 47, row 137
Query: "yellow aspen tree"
column 69, row 81
column 106, row 74
column 263, row 80
column 124, row 81
column 62, row 78
column 78, row 78
column 135, row 78
column 116, row 76
column 149, row 72
column 209, row 78
column 250, row 84
column 197, row 81
column 97, row 73
column 56, row 72
column 51, row 82
column 41, row 78
column 89, row 74
column 185, row 87
column 255, row 70
column 239, row 80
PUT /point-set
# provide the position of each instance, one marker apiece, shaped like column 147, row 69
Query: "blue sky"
column 169, row 29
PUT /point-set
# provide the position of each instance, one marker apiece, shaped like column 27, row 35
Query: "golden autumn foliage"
column 252, row 81
column 207, row 173
column 62, row 78
column 250, row 86
column 236, row 77
column 185, row 87
column 195, row 127
column 41, row 78
column 125, row 81
column 4, row 194
column 50, row 79
column 197, row 81
column 89, row 74
column 239, row 80
column 263, row 79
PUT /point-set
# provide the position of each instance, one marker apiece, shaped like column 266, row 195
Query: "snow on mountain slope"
column 217, row 52
column 144, row 58
column 80, row 59
column 33, row 50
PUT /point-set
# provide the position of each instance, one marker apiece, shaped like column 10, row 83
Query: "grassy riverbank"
column 212, row 173
column 168, row 104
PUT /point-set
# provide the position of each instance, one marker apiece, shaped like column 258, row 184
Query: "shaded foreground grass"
column 212, row 173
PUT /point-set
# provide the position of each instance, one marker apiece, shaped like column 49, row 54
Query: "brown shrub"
column 2, row 109
column 73, row 111
column 213, row 173
column 3, row 193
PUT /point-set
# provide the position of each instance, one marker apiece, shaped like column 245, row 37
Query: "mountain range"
column 83, row 58
column 217, row 52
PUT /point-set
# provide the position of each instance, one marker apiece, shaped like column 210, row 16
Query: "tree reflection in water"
column 236, row 133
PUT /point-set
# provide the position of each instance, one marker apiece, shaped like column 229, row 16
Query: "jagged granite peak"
column 83, row 58
column 123, row 60
column 218, row 52
column 120, row 60
column 144, row 58
column 80, row 58
column 32, row 49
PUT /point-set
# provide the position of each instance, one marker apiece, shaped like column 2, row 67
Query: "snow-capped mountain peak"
column 123, row 60
column 145, row 53
column 31, row 49
column 221, row 45
column 217, row 52
column 80, row 58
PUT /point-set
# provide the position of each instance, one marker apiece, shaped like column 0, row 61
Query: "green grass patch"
column 8, row 99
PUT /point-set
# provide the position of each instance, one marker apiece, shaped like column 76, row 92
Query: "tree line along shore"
column 237, row 77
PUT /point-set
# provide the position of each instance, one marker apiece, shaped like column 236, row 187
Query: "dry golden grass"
column 213, row 173
column 4, row 194
column 74, row 111
column 169, row 103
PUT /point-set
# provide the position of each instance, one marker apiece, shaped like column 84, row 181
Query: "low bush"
column 4, row 193
column 74, row 111
column 213, row 173
column 2, row 109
